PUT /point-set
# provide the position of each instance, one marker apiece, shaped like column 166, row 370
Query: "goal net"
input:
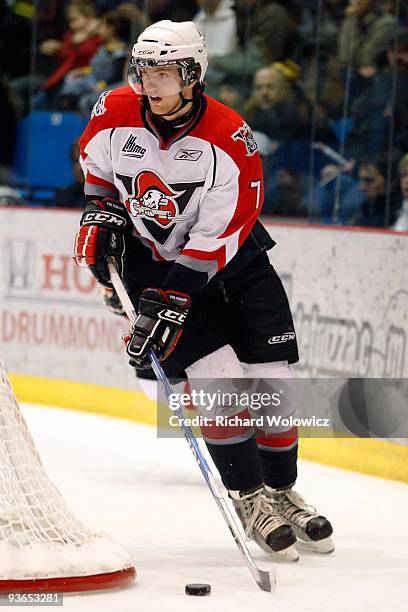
column 43, row 546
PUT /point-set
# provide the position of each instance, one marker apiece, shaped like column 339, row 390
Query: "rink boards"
column 347, row 289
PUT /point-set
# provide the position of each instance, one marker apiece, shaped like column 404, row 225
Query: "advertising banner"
column 348, row 292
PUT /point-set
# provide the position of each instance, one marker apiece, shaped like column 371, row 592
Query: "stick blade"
column 263, row 580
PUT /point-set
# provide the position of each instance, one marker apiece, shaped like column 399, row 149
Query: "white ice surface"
column 149, row 495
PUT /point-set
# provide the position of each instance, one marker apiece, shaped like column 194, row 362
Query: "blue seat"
column 43, row 148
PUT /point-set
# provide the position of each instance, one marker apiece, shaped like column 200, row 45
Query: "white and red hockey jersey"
column 193, row 199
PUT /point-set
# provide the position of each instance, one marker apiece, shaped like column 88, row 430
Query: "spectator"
column 266, row 34
column 336, row 197
column 396, row 105
column 269, row 27
column 279, row 114
column 401, row 222
column 217, row 22
column 277, row 107
column 378, row 208
column 384, row 96
column 322, row 81
column 246, row 38
column 105, row 69
column 79, row 43
column 73, row 195
column 323, row 31
column 365, row 30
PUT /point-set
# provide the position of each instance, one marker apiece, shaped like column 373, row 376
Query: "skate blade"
column 289, row 555
column 322, row 547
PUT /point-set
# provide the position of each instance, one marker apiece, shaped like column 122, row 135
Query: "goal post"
column 43, row 546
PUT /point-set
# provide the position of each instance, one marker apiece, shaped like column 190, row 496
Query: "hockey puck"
column 198, row 589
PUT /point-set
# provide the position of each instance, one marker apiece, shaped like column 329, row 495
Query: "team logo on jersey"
column 160, row 205
column 153, row 199
column 132, row 149
column 188, row 154
column 100, row 108
column 245, row 134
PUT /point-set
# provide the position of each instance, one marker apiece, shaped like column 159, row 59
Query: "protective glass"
column 155, row 81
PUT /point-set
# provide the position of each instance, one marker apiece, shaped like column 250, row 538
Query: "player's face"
column 163, row 105
column 371, row 182
column 161, row 80
column 162, row 86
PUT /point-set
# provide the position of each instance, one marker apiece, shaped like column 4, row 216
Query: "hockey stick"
column 265, row 580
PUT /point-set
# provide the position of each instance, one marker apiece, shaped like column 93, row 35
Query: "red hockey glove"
column 102, row 235
column 158, row 325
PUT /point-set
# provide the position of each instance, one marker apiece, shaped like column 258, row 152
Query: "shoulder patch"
column 246, row 135
column 100, row 108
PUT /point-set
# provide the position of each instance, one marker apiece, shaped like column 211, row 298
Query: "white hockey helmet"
column 169, row 43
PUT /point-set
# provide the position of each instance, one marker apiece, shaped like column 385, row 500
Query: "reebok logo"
column 188, row 154
column 131, row 149
column 282, row 338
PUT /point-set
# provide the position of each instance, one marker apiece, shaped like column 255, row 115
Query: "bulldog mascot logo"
column 153, row 200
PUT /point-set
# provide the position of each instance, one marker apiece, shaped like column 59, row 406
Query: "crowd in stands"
column 323, row 84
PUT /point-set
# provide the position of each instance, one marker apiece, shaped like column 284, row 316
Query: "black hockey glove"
column 158, row 325
column 112, row 301
column 102, row 235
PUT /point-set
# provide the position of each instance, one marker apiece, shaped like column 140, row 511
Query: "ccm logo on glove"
column 104, row 226
column 158, row 325
column 173, row 316
column 103, row 217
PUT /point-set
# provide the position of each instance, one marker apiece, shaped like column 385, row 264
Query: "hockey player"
column 174, row 190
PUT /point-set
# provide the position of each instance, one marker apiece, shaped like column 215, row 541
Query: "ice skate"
column 262, row 523
column 312, row 530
